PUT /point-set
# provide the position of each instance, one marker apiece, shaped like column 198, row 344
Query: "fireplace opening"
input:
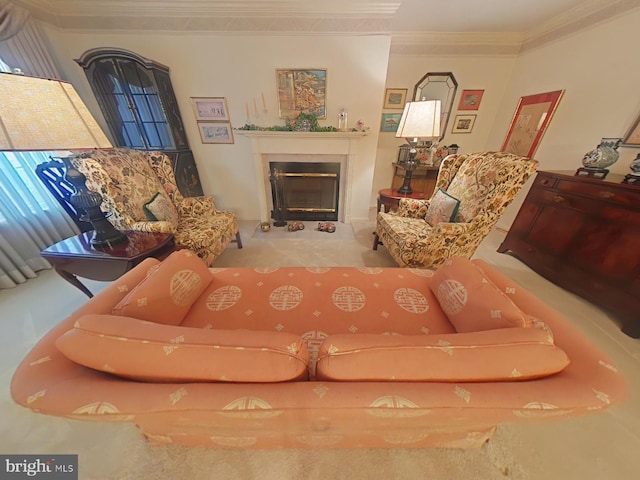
column 304, row 190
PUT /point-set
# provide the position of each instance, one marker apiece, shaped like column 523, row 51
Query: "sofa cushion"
column 166, row 295
column 506, row 354
column 442, row 208
column 148, row 351
column 471, row 301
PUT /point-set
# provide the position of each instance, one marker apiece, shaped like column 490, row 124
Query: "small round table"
column 390, row 198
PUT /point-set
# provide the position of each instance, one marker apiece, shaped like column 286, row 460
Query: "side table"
column 390, row 198
column 75, row 257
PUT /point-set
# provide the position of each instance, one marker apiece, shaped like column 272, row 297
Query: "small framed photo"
column 215, row 132
column 463, row 123
column 210, row 109
column 395, row 98
column 470, row 99
column 390, row 122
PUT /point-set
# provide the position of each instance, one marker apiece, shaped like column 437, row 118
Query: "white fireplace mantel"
column 302, row 143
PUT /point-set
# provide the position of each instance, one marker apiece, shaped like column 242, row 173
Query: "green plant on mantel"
column 297, row 125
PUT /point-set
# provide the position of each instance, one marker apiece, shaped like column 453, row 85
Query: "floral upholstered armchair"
column 139, row 189
column 471, row 193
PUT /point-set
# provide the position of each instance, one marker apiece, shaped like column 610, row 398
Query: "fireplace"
column 304, row 190
column 308, row 147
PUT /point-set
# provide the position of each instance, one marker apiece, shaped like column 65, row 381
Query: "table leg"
column 73, row 280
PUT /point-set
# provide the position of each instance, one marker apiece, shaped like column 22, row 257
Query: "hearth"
column 304, row 191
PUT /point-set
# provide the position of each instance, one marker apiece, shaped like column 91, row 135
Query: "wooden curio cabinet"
column 137, row 100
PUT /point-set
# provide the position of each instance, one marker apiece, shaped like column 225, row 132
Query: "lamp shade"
column 420, row 120
column 42, row 114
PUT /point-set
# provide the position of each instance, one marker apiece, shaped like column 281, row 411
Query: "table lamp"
column 40, row 114
column 420, row 121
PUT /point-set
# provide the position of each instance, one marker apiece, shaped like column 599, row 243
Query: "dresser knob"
column 558, row 199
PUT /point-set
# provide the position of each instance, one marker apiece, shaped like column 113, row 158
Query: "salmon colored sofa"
column 315, row 357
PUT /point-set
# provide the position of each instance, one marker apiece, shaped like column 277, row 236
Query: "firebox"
column 304, row 190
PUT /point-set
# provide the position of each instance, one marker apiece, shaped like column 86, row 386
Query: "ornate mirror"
column 438, row 86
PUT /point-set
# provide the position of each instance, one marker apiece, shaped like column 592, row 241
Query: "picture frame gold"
column 530, row 122
column 302, row 91
column 215, row 132
column 208, row 109
column 395, row 98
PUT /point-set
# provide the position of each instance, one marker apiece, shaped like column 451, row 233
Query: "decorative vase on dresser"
column 597, row 161
column 583, row 234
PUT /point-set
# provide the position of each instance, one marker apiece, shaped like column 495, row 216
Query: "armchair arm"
column 196, row 205
column 160, row 227
column 408, row 207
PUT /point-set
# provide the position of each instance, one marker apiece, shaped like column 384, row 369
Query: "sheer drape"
column 30, row 218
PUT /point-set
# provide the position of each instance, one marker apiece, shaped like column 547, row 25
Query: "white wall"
column 599, row 69
column 242, row 68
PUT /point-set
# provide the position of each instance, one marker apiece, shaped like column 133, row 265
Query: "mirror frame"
column 447, row 103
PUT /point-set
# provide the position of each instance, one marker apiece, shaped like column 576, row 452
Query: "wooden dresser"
column 583, row 234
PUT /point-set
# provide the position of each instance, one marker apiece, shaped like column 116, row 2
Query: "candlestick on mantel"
column 255, row 106
column 248, row 114
column 264, row 104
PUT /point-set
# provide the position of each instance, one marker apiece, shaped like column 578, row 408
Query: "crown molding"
column 451, row 43
column 239, row 16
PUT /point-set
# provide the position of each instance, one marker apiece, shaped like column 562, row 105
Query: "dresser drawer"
column 606, row 192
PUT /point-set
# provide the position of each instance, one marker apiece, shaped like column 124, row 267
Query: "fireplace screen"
column 304, row 190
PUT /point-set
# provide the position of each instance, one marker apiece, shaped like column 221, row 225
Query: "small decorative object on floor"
column 634, row 176
column 597, row 160
column 265, row 226
column 326, row 227
column 295, row 226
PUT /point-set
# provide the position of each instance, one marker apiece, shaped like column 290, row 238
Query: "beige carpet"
column 594, row 447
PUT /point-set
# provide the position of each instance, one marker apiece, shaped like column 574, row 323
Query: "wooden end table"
column 75, row 257
column 390, row 198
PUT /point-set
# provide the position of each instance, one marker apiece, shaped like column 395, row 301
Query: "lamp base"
column 409, row 166
column 105, row 235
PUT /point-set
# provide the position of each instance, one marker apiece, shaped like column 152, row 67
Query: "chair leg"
column 376, row 241
column 238, row 240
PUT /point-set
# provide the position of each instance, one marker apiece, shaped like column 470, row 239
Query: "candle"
column 255, row 106
column 248, row 116
column 264, row 104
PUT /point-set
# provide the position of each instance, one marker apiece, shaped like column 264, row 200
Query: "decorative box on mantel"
column 278, row 146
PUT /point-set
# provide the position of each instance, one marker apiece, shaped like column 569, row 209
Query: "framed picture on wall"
column 302, row 91
column 463, row 123
column 210, row 108
column 530, row 121
column 215, row 132
column 395, row 98
column 632, row 138
column 470, row 99
column 390, row 122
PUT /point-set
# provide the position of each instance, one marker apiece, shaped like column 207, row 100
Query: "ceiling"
column 417, row 26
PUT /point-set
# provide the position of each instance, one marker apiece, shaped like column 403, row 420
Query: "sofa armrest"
column 160, row 227
column 191, row 206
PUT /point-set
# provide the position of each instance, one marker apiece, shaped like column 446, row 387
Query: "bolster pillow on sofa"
column 492, row 355
column 148, row 351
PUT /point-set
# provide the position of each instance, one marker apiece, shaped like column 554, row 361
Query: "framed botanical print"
column 530, row 121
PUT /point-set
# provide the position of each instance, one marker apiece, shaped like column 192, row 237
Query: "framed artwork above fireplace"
column 302, row 91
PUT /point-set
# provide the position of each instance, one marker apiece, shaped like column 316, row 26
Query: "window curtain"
column 30, row 218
